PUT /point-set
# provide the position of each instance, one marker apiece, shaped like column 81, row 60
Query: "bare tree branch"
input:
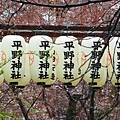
column 15, row 12
column 110, row 34
column 34, row 102
column 60, row 5
column 22, row 108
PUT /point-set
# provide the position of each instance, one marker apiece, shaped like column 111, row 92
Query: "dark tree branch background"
column 60, row 102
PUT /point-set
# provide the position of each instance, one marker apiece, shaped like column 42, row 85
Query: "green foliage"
column 6, row 115
column 1, row 72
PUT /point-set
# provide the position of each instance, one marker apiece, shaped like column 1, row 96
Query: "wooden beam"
column 52, row 31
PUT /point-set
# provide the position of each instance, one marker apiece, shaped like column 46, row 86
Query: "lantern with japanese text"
column 13, row 47
column 92, row 69
column 114, row 66
column 1, row 71
column 67, row 63
column 26, row 78
column 42, row 61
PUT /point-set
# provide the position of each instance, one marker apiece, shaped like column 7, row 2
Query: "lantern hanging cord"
column 65, row 31
column 40, row 31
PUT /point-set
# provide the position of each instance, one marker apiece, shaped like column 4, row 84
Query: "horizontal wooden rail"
column 53, row 31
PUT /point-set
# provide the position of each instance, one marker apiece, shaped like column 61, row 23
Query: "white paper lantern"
column 12, row 48
column 67, row 63
column 91, row 70
column 1, row 74
column 42, row 66
column 26, row 78
column 114, row 61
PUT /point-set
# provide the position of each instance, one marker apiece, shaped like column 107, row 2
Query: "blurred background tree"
column 59, row 102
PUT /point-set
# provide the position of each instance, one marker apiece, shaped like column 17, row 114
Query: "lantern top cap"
column 13, row 36
column 41, row 37
column 63, row 39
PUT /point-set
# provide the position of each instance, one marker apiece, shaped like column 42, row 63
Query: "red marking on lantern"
column 78, row 58
column 108, row 59
column 83, row 58
column 3, row 56
column 56, row 57
column 31, row 58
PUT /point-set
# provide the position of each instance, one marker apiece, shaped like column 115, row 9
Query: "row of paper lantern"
column 66, row 60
